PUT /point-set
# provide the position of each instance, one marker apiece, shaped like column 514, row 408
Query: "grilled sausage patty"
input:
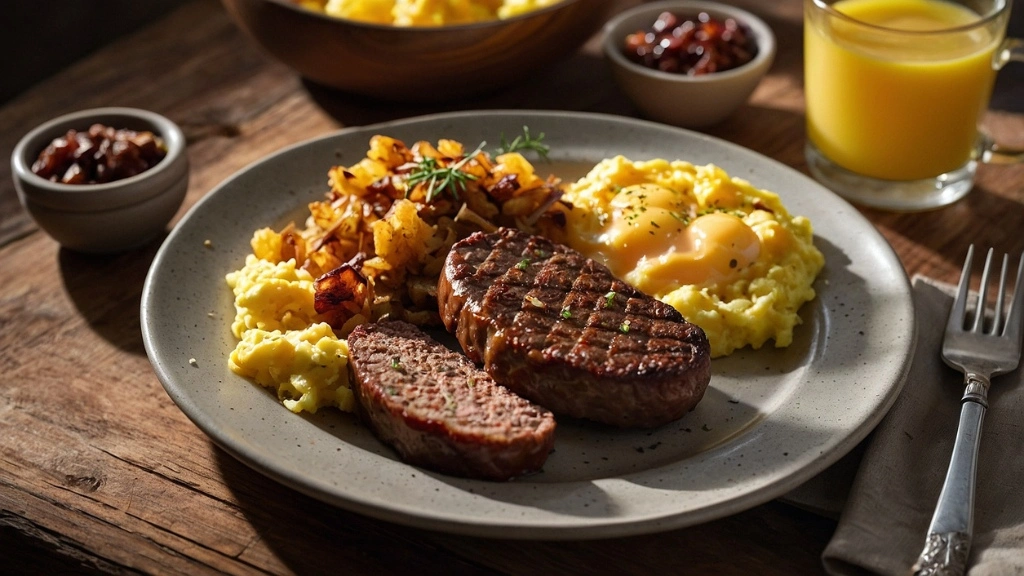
column 439, row 411
column 558, row 328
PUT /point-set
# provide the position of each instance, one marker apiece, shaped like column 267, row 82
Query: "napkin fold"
column 885, row 520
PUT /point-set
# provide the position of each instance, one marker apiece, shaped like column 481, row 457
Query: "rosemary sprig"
column 525, row 142
column 440, row 179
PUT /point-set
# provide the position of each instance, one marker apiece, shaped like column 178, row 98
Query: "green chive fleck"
column 609, row 299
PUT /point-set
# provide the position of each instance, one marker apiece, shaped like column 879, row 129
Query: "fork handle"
column 949, row 536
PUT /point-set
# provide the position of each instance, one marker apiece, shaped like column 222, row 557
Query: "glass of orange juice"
column 895, row 92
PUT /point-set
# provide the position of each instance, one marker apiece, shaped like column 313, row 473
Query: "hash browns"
column 377, row 242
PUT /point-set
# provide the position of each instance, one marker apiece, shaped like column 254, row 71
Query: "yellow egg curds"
column 426, row 12
column 727, row 255
column 282, row 344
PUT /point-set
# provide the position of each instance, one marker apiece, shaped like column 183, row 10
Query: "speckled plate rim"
column 772, row 418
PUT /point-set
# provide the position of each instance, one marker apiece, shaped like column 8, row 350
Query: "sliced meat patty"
column 441, row 412
column 558, row 328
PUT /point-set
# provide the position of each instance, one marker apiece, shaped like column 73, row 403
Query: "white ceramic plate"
column 770, row 420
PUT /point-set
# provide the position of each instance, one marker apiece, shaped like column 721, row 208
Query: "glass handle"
column 993, row 153
column 1012, row 50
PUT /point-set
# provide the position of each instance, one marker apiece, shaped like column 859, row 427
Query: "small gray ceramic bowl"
column 678, row 99
column 111, row 216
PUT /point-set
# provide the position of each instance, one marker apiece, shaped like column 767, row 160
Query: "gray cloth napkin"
column 884, row 522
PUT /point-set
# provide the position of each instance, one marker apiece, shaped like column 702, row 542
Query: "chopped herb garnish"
column 440, row 179
column 525, row 142
column 396, row 364
column 609, row 299
column 523, row 264
column 566, row 313
column 684, row 218
column 624, row 327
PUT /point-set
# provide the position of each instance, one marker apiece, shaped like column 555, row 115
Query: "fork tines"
column 999, row 325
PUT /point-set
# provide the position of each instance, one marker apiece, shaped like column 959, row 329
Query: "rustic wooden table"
column 100, row 471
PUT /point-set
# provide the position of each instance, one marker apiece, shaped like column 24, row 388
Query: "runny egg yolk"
column 713, row 248
column 652, row 242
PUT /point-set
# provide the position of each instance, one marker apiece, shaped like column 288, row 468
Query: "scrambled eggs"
column 282, row 344
column 426, row 12
column 727, row 255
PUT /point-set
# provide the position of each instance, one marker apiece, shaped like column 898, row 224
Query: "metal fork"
column 981, row 355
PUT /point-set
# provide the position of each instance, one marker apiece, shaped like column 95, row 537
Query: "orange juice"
column 899, row 98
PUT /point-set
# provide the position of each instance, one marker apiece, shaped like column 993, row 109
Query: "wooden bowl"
column 417, row 64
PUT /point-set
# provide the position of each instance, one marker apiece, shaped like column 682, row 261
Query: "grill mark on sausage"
column 538, row 316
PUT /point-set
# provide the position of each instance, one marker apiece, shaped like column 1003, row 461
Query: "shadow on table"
column 107, row 291
column 322, row 539
column 48, row 36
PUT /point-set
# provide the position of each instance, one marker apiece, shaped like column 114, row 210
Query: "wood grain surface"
column 101, row 472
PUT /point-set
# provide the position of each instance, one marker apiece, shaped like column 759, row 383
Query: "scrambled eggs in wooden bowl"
column 426, row 12
column 725, row 254
column 464, row 51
